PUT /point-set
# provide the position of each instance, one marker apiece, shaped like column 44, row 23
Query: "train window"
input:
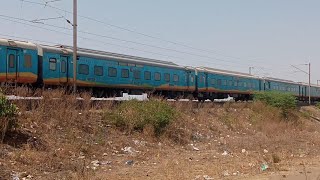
column 230, row 83
column 253, row 85
column 147, row 75
column 175, row 78
column 157, row 76
column 98, row 70
column 124, row 73
column 112, row 72
column 191, row 78
column 201, row 78
column 27, row 61
column 123, row 64
column 213, row 81
column 12, row 60
column 52, row 64
column 224, row 82
column 137, row 74
column 167, row 77
column 83, row 69
column 236, row 83
column 63, row 66
column 244, row 84
column 219, row 82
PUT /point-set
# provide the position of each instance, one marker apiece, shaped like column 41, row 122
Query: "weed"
column 284, row 101
column 8, row 114
column 134, row 115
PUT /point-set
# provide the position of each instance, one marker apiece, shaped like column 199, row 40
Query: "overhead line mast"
column 75, row 24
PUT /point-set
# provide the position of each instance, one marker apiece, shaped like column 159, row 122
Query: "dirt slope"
column 57, row 140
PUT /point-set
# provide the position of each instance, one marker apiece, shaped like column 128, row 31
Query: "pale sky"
column 270, row 35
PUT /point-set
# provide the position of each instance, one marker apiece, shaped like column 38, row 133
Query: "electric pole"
column 250, row 69
column 309, row 83
column 309, row 74
column 75, row 24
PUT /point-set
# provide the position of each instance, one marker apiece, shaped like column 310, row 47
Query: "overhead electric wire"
column 25, row 20
column 94, row 40
column 136, row 32
column 118, row 39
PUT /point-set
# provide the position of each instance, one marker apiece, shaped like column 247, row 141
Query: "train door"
column 12, row 65
column 206, row 81
column 63, row 66
column 305, row 91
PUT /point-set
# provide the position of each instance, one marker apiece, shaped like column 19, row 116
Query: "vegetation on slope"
column 8, row 116
column 284, row 101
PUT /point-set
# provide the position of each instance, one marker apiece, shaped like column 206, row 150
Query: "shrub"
column 135, row 116
column 284, row 101
column 318, row 105
column 8, row 116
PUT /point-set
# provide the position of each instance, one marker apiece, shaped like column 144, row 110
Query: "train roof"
column 18, row 43
column 227, row 72
column 280, row 80
column 118, row 57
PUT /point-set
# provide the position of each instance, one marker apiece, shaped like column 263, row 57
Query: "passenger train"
column 109, row 74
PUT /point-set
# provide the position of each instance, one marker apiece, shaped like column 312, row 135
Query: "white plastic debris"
column 224, row 153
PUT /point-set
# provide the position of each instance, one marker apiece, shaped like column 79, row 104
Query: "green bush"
column 284, row 101
column 8, row 116
column 318, row 105
column 135, row 116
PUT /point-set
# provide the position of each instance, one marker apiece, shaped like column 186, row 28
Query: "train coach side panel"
column 3, row 64
column 113, row 74
column 28, row 66
column 221, row 83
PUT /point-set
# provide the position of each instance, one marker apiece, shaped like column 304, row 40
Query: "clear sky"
column 270, row 35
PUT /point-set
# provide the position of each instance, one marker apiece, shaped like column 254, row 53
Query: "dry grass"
column 59, row 138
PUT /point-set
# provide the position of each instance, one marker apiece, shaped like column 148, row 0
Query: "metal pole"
column 309, row 83
column 250, row 70
column 75, row 24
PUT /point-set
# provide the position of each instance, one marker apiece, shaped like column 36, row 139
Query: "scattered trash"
column 265, row 151
column 139, row 143
column 197, row 136
column 236, row 173
column 224, row 153
column 206, row 177
column 128, row 150
column 95, row 163
column 105, row 154
column 264, row 167
column 226, row 173
column 194, row 148
column 106, row 162
column 243, row 150
column 130, row 162
column 15, row 176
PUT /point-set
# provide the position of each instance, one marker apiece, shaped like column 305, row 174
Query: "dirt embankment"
column 58, row 140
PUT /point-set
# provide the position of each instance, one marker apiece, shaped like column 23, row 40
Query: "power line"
column 101, row 42
column 116, row 45
column 123, row 40
column 136, row 32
